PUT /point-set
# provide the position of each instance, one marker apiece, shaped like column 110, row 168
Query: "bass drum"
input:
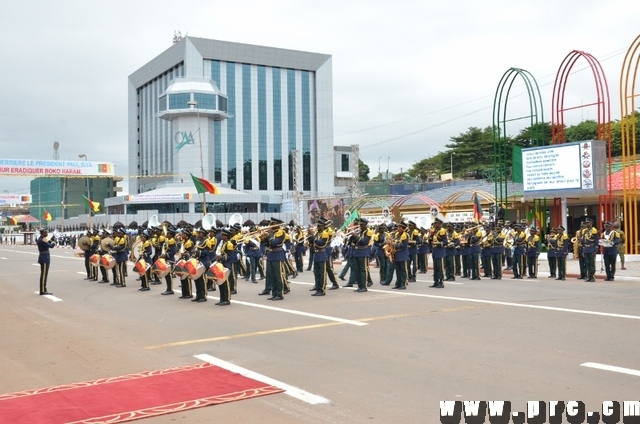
column 218, row 273
column 195, row 268
column 141, row 266
column 180, row 269
column 107, row 261
column 94, row 260
column 161, row 268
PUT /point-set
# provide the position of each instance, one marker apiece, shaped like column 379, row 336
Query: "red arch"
column 603, row 104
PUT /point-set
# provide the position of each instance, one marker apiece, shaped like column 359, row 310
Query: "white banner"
column 54, row 168
column 160, row 197
column 14, row 199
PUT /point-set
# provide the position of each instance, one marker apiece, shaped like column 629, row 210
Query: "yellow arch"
column 628, row 94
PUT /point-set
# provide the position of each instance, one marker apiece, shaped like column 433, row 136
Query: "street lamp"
column 88, row 193
column 452, row 153
column 379, row 172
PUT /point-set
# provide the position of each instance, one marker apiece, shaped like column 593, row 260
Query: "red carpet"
column 131, row 397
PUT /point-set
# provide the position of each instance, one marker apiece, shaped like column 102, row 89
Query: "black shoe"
column 234, row 292
column 433, row 286
column 360, row 290
column 144, row 289
column 210, row 287
column 224, row 303
column 254, row 281
column 348, row 285
column 186, row 297
column 334, row 287
column 195, row 300
column 45, row 293
column 440, row 286
column 369, row 284
column 477, row 278
column 518, row 277
column 264, row 292
column 287, row 291
column 88, row 278
column 155, row 283
column 167, row 293
column 213, row 288
column 313, row 289
column 202, row 299
column 277, row 298
column 401, row 288
column 103, row 282
column 552, row 276
column 591, row 280
column 318, row 293
column 120, row 285
column 341, row 277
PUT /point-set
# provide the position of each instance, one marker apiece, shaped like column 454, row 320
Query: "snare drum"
column 107, row 261
column 195, row 268
column 161, row 268
column 141, row 266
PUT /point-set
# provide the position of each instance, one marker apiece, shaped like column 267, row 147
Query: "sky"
column 407, row 75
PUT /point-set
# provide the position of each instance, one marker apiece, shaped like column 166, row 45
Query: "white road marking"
column 50, row 297
column 613, row 368
column 4, row 258
column 517, row 305
column 294, row 312
column 35, row 264
column 288, row 389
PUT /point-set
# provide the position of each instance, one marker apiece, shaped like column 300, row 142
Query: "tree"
column 363, row 171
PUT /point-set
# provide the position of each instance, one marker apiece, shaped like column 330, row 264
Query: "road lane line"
column 242, row 335
column 292, row 391
column 50, row 297
column 294, row 312
column 517, row 305
column 612, row 368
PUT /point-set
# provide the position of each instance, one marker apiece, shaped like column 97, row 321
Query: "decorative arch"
column 603, row 105
column 501, row 147
column 628, row 95
column 424, row 199
column 490, row 198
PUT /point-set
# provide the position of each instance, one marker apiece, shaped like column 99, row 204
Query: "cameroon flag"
column 47, row 216
column 204, row 186
column 93, row 206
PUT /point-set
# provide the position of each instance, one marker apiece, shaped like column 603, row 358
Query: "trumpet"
column 264, row 229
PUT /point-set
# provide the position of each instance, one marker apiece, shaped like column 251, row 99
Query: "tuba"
column 236, row 218
column 153, row 221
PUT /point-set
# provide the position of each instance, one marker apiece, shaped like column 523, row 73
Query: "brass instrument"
column 389, row 248
column 136, row 251
column 607, row 240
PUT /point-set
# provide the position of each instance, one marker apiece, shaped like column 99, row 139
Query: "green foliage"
column 363, row 171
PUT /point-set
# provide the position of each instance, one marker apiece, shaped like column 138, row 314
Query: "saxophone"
column 390, row 247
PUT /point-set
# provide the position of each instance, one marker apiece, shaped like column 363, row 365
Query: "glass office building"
column 235, row 114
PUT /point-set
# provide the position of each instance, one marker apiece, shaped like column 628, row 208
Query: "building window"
column 205, row 101
column 345, row 163
column 162, row 103
column 179, row 101
column 223, row 104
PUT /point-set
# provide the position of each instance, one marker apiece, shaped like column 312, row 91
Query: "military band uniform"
column 253, row 252
column 465, row 253
column 610, row 251
column 474, row 261
column 453, row 241
column 229, row 258
column 185, row 281
column 379, row 239
column 146, row 253
column 212, row 244
column 276, row 257
column 533, row 250
column 423, row 252
column 497, row 251
column 438, row 241
column 552, row 252
column 401, row 258
column 485, row 246
column 414, row 239
column 331, row 274
column 120, row 249
column 320, row 244
column 589, row 250
column 361, row 254
column 169, row 255
column 562, row 249
column 101, row 252
column 201, row 253
column 519, row 248
column 581, row 260
column 44, row 259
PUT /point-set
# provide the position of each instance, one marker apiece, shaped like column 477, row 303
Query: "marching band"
column 212, row 257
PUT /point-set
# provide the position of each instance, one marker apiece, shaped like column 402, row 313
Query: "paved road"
column 380, row 356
